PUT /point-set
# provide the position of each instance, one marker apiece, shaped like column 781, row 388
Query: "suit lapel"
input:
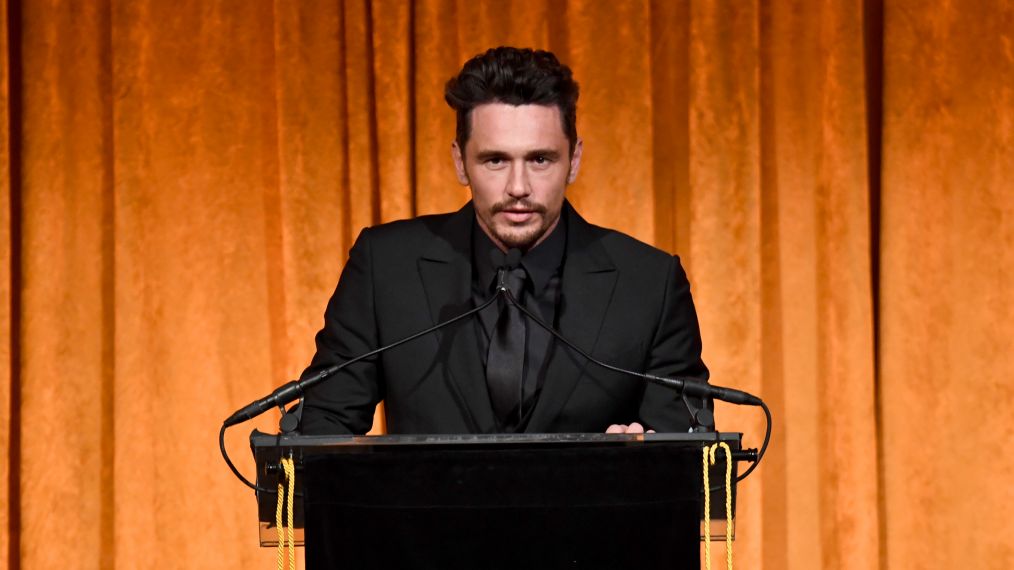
column 446, row 272
column 589, row 277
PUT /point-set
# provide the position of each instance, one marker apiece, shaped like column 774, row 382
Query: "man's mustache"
column 518, row 205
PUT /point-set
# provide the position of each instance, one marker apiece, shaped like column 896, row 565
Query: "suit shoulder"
column 404, row 232
column 624, row 248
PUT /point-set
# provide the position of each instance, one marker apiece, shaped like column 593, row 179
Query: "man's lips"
column 517, row 216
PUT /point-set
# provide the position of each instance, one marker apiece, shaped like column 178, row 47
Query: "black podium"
column 495, row 501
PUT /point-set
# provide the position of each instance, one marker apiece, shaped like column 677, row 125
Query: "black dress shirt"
column 544, row 265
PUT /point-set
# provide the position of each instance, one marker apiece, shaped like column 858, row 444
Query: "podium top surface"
column 322, row 442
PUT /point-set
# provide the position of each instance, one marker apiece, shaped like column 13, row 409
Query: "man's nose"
column 517, row 183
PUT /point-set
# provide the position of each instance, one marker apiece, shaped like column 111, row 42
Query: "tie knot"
column 515, row 280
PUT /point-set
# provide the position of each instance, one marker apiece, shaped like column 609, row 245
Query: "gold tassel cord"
column 707, row 509
column 707, row 461
column 290, row 477
column 280, row 526
column 286, row 530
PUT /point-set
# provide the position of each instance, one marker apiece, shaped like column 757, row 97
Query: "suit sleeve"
column 345, row 402
column 675, row 352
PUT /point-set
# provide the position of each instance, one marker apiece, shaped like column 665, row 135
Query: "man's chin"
column 522, row 240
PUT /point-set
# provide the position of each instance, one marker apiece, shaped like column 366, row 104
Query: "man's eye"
column 494, row 161
column 540, row 160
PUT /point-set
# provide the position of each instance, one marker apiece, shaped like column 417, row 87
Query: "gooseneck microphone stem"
column 688, row 387
column 290, row 391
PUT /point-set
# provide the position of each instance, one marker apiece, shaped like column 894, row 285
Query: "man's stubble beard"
column 522, row 241
column 526, row 239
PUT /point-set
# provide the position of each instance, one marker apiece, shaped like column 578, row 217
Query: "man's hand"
column 624, row 428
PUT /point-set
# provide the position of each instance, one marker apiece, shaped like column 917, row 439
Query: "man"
column 626, row 303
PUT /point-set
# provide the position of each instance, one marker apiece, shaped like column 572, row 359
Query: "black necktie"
column 505, row 362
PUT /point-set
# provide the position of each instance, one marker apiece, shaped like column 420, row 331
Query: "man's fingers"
column 624, row 428
column 635, row 428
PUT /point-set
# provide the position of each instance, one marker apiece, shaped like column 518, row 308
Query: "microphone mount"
column 511, row 259
column 295, row 389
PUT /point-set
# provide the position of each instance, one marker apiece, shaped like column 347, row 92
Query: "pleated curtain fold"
column 183, row 180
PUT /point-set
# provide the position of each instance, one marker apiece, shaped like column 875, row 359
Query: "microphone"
column 702, row 389
column 511, row 259
column 294, row 389
column 680, row 385
column 686, row 387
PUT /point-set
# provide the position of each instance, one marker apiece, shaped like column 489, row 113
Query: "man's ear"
column 575, row 162
column 459, row 163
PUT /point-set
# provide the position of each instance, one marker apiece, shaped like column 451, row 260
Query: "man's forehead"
column 495, row 125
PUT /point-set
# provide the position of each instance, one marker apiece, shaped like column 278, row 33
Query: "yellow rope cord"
column 286, row 532
column 280, row 526
column 707, row 508
column 708, row 460
column 290, row 477
column 728, row 503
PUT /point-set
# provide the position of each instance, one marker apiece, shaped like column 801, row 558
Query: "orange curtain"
column 183, row 180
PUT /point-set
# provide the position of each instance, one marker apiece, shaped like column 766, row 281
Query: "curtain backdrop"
column 183, row 180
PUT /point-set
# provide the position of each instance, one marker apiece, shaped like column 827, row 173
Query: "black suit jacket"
column 623, row 301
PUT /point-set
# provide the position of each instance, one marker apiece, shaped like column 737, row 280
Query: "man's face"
column 517, row 162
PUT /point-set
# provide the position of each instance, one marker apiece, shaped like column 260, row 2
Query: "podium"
column 496, row 501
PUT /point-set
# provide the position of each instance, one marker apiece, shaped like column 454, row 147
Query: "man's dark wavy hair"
column 513, row 76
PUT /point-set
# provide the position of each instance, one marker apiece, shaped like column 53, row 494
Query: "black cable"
column 760, row 454
column 764, row 446
column 225, row 455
